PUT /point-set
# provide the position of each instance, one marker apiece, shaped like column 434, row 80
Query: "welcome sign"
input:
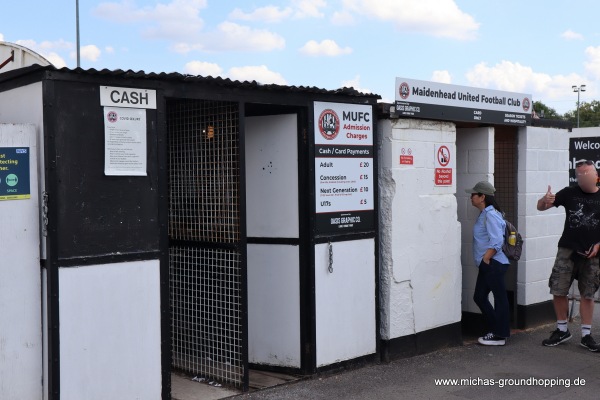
column 583, row 148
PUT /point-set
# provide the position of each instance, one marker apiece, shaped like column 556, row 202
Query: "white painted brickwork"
column 426, row 267
column 420, row 234
column 543, row 161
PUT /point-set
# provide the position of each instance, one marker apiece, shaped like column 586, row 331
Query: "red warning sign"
column 406, row 160
column 444, row 166
column 443, row 176
column 406, row 157
column 443, row 156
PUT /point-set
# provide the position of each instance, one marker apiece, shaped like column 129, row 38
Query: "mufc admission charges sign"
column 343, row 167
column 433, row 100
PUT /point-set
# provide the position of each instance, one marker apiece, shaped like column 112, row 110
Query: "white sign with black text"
column 124, row 141
column 343, row 166
column 435, row 100
column 127, row 97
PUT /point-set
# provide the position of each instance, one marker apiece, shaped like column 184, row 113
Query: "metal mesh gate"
column 505, row 170
column 204, row 233
column 505, row 182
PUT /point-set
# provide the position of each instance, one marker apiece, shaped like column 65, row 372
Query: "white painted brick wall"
column 420, row 236
column 543, row 161
column 410, row 205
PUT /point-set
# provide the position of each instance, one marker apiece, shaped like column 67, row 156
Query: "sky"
column 541, row 48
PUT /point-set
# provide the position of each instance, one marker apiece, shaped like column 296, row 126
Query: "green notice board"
column 14, row 173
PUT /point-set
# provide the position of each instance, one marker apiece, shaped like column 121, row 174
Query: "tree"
column 547, row 112
column 589, row 114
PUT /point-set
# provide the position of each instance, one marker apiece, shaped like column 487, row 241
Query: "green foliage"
column 548, row 112
column 589, row 114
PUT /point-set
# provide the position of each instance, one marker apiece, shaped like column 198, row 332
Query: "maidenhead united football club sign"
column 441, row 101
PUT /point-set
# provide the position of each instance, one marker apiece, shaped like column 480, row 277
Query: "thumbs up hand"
column 549, row 197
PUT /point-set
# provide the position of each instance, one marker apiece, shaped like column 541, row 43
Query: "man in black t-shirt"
column 577, row 256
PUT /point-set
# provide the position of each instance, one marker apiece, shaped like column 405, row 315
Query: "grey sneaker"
column 589, row 343
column 557, row 338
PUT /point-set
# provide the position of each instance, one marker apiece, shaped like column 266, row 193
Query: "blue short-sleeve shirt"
column 488, row 233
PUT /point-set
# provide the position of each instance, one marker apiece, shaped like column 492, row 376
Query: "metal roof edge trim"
column 176, row 76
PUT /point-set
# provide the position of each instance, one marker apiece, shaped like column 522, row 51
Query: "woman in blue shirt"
column 488, row 237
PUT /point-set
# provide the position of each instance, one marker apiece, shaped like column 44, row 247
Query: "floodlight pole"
column 578, row 89
column 77, row 26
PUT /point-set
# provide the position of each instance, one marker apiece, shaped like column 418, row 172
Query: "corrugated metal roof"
column 175, row 76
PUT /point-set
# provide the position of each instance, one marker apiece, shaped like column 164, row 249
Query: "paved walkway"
column 523, row 369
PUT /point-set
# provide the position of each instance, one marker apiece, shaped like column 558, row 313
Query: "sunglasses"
column 584, row 162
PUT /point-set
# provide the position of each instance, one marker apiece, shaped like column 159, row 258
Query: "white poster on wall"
column 124, row 141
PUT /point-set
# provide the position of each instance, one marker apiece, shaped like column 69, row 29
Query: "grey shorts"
column 569, row 266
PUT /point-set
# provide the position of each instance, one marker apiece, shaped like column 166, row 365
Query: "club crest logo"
column 404, row 90
column 329, row 124
column 111, row 116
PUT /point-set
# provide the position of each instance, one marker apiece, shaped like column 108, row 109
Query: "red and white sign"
column 443, row 156
column 406, row 157
column 444, row 166
column 443, row 176
column 406, row 160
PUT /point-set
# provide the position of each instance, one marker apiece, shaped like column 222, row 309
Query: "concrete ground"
column 187, row 388
column 523, row 369
column 184, row 388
